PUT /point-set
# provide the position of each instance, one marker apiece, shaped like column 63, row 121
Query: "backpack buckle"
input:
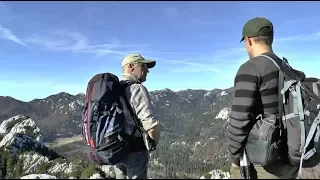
column 106, row 113
column 118, row 110
column 260, row 116
column 291, row 88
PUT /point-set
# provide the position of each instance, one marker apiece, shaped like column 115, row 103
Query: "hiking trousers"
column 277, row 170
column 135, row 166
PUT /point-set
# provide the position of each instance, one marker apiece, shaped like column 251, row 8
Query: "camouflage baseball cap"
column 254, row 27
column 137, row 58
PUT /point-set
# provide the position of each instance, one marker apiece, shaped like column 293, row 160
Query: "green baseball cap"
column 254, row 27
column 137, row 58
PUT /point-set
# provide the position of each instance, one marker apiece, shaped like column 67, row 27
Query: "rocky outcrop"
column 223, row 114
column 21, row 140
column 19, row 133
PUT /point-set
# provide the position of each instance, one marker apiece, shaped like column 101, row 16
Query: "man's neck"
column 262, row 50
column 129, row 76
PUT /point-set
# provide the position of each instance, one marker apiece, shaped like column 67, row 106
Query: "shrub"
column 89, row 171
column 207, row 176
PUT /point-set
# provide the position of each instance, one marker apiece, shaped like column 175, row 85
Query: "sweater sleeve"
column 141, row 103
column 241, row 114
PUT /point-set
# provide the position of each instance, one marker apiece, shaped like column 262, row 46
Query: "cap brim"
column 150, row 63
column 241, row 39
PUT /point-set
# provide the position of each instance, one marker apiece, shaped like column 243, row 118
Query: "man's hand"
column 154, row 134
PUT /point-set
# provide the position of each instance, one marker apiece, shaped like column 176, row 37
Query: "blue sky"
column 51, row 47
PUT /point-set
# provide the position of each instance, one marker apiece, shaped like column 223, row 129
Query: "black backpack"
column 103, row 117
column 296, row 137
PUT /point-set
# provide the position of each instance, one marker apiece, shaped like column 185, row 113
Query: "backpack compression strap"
column 306, row 155
column 314, row 133
column 314, row 127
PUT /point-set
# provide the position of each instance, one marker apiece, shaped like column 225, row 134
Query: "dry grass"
column 63, row 141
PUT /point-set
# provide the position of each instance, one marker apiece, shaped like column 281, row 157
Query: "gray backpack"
column 299, row 109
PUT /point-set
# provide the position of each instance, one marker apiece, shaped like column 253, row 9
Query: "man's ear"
column 250, row 41
column 131, row 66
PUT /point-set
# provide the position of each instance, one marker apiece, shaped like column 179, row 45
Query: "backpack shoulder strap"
column 279, row 66
column 280, row 86
column 316, row 88
column 124, row 84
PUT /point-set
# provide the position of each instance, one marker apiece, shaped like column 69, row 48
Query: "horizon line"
column 63, row 92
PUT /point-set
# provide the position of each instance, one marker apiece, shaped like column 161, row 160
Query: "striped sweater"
column 256, row 92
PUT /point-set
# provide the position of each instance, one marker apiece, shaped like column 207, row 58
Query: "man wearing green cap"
column 256, row 92
column 135, row 166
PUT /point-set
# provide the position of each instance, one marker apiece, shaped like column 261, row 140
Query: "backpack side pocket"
column 264, row 141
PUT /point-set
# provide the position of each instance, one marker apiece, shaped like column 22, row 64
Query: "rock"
column 32, row 161
column 15, row 142
column 223, row 114
column 216, row 174
column 38, row 176
column 108, row 170
column 64, row 167
column 4, row 127
column 96, row 176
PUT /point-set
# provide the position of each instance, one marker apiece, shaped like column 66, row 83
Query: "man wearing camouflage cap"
column 256, row 93
column 135, row 166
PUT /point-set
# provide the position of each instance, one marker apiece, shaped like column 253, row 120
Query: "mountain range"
column 193, row 122
column 60, row 115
